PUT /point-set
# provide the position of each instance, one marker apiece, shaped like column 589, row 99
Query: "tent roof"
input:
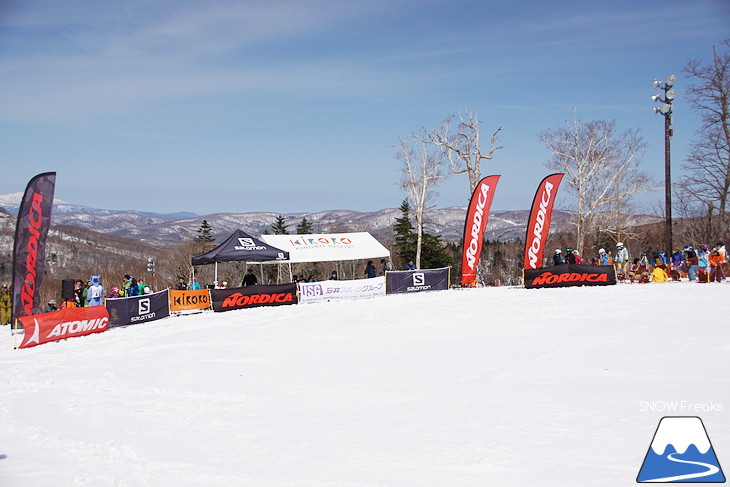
column 327, row 247
column 241, row 246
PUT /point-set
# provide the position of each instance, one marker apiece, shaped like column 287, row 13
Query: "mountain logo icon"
column 681, row 452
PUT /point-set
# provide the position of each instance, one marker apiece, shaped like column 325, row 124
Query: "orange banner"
column 64, row 323
column 188, row 300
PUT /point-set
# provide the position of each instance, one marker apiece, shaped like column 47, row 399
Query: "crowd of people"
column 703, row 264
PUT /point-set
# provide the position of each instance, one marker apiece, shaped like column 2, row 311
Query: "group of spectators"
column 701, row 265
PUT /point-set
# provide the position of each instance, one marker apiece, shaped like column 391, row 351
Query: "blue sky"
column 286, row 106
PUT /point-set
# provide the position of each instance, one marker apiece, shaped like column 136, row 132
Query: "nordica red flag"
column 474, row 226
column 29, row 252
column 538, row 226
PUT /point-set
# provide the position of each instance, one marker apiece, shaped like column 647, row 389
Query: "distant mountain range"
column 168, row 229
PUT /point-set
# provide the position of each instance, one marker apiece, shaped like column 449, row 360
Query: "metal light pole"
column 666, row 110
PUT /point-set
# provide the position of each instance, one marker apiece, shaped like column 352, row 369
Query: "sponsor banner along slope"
column 538, row 226
column 251, row 296
column 189, row 300
column 474, row 226
column 417, row 281
column 64, row 323
column 314, row 292
column 138, row 309
column 570, row 275
column 29, row 248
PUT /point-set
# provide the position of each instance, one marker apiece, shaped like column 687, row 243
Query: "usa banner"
column 538, row 226
column 474, row 226
column 29, row 249
column 64, row 323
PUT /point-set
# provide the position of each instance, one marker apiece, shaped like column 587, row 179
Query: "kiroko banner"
column 29, row 251
column 474, row 226
column 138, row 309
column 570, row 275
column 538, row 226
column 315, row 292
column 417, row 281
column 64, row 323
column 189, row 300
column 251, row 296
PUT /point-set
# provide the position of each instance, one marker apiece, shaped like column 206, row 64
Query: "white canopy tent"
column 327, row 247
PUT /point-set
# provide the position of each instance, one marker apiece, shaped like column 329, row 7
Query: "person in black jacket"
column 249, row 279
column 557, row 258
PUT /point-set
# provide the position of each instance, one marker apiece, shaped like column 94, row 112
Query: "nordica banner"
column 138, row 309
column 29, row 250
column 61, row 324
column 538, row 225
column 251, row 296
column 474, row 226
column 570, row 275
column 416, row 281
column 315, row 292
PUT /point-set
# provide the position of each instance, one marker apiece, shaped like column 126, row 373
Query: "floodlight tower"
column 666, row 109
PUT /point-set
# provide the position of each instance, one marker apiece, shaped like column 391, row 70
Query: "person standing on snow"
column 370, row 271
column 95, row 294
column 621, row 258
column 6, row 305
column 602, row 257
column 557, row 258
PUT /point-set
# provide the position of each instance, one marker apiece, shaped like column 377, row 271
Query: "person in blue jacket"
column 370, row 270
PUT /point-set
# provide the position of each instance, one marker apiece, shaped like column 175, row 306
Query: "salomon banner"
column 251, row 296
column 570, row 275
column 138, row 309
column 189, row 300
column 417, row 281
column 538, row 225
column 474, row 226
column 64, row 323
column 315, row 292
column 29, row 251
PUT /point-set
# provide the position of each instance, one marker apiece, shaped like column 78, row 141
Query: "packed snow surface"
column 474, row 387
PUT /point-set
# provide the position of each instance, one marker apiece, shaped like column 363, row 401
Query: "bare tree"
column 463, row 148
column 708, row 161
column 422, row 168
column 601, row 171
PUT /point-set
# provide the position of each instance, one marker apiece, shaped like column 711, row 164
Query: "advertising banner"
column 570, row 275
column 538, row 226
column 189, row 300
column 417, row 281
column 252, row 296
column 316, row 292
column 64, row 323
column 29, row 248
column 138, row 309
column 474, row 226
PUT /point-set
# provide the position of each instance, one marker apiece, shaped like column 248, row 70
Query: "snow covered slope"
column 477, row 387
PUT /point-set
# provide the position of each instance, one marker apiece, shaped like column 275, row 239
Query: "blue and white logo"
column 681, row 452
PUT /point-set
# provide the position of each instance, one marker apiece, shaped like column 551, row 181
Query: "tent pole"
column 215, row 279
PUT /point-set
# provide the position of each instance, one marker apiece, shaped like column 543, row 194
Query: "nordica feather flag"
column 538, row 226
column 474, row 226
column 29, row 250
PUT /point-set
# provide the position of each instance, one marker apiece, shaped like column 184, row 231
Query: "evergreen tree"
column 204, row 237
column 304, row 227
column 434, row 252
column 405, row 235
column 279, row 227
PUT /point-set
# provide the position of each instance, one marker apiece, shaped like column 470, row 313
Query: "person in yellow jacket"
column 6, row 305
column 659, row 274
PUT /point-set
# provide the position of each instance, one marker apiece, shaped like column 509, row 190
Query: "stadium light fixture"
column 666, row 110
